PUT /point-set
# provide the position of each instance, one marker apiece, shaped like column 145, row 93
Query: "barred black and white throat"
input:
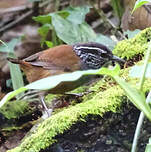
column 94, row 55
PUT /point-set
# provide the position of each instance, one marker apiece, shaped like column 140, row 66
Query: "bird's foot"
column 47, row 112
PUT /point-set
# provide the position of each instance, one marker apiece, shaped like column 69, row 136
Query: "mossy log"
column 97, row 103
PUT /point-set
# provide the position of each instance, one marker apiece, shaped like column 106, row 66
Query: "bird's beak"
column 115, row 58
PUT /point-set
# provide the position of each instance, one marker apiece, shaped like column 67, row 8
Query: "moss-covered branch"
column 131, row 47
column 58, row 123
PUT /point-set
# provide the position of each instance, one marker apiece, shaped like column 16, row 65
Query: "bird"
column 65, row 59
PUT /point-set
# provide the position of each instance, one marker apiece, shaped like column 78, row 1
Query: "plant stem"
column 142, row 79
column 107, row 22
column 141, row 117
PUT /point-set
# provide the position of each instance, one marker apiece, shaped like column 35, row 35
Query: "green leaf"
column 64, row 14
column 46, row 19
column 69, row 25
column 43, row 84
column 43, row 19
column 53, row 81
column 136, row 97
column 77, row 14
column 11, row 94
column 9, row 47
column 16, row 75
column 72, row 33
column 49, row 44
column 105, row 40
column 136, row 71
column 43, row 31
column 139, row 3
column 86, row 33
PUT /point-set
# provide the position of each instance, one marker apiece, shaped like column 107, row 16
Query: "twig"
column 45, row 3
column 16, row 21
column 14, row 9
column 57, row 4
column 11, row 24
column 105, row 19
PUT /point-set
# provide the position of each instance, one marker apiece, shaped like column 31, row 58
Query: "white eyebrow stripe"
column 91, row 48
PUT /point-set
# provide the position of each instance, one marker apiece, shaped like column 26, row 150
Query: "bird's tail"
column 16, row 61
column 115, row 58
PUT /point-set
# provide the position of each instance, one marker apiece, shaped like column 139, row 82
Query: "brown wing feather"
column 57, row 58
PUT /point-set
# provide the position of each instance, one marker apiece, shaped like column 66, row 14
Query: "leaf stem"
column 141, row 117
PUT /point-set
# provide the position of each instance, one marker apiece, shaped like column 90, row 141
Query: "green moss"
column 58, row 123
column 14, row 109
column 137, row 45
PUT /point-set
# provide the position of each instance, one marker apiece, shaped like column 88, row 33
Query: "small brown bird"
column 65, row 59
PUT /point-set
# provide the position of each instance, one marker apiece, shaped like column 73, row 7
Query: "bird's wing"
column 58, row 58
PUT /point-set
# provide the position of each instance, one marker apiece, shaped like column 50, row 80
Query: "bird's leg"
column 48, row 111
column 33, row 95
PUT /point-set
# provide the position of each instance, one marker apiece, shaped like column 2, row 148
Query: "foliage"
column 15, row 72
column 69, row 25
column 105, row 40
